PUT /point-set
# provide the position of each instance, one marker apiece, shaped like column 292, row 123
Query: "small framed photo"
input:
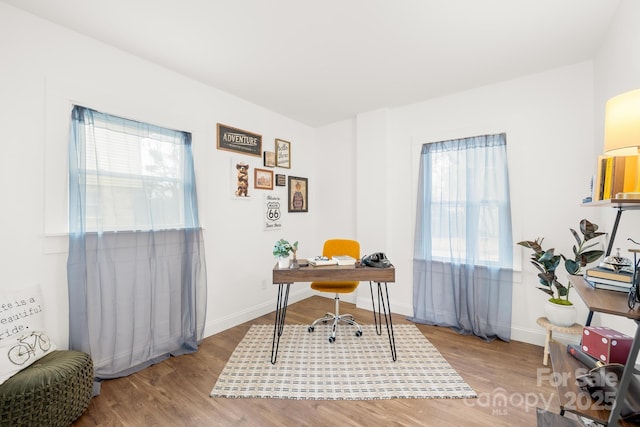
column 281, row 180
column 263, row 179
column 269, row 159
column 298, row 194
column 283, row 153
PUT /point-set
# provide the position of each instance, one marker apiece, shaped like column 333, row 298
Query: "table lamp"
column 622, row 135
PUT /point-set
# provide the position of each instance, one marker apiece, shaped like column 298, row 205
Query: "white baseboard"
column 537, row 336
column 364, row 302
column 213, row 326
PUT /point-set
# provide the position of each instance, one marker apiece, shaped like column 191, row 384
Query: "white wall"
column 44, row 69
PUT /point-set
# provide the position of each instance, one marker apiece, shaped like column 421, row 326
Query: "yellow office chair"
column 338, row 247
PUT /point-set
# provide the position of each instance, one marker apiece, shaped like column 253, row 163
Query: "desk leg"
column 383, row 304
column 281, row 312
column 623, row 385
column 589, row 318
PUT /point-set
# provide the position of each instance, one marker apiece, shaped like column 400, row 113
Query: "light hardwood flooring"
column 509, row 378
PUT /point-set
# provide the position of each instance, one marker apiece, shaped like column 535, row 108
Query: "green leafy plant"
column 283, row 248
column 546, row 261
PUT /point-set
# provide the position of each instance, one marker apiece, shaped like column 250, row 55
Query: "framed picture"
column 238, row 140
column 272, row 213
column 298, row 194
column 283, row 153
column 281, row 180
column 269, row 159
column 240, row 182
column 263, row 179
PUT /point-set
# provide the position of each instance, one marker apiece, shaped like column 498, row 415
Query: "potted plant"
column 559, row 309
column 281, row 251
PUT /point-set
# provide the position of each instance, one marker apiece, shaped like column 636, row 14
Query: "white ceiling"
column 321, row 62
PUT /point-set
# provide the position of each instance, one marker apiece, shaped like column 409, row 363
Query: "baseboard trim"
column 364, row 302
column 220, row 324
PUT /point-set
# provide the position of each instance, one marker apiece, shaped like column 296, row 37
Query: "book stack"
column 616, row 175
column 321, row 261
column 604, row 278
column 344, row 259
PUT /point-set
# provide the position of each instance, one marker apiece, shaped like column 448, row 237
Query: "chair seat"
column 337, row 287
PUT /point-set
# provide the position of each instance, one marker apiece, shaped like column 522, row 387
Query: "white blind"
column 134, row 176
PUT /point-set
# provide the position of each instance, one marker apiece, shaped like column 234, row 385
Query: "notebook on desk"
column 320, row 261
column 344, row 259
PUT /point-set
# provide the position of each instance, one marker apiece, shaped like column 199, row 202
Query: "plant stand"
column 575, row 329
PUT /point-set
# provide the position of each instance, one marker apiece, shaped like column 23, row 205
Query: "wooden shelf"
column 604, row 301
column 615, row 203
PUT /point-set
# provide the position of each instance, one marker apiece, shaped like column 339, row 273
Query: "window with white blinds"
column 133, row 174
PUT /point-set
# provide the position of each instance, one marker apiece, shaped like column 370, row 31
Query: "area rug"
column 351, row 368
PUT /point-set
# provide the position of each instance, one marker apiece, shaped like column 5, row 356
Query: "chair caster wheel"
column 310, row 328
column 358, row 333
column 331, row 339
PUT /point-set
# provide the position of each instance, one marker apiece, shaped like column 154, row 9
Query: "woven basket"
column 54, row 391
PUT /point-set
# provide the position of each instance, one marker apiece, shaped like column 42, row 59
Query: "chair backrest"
column 338, row 247
column 341, row 247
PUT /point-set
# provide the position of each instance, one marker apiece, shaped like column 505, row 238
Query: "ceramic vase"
column 283, row 262
column 560, row 315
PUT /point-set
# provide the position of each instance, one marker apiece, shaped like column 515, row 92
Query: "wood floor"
column 509, row 379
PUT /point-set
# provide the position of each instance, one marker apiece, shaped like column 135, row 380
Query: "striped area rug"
column 351, row 368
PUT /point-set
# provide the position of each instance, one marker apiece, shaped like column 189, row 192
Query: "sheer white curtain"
column 136, row 267
column 463, row 248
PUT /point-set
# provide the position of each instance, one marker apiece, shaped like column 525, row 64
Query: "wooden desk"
column 284, row 277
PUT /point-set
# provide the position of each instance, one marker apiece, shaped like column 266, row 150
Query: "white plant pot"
column 560, row 315
column 283, row 262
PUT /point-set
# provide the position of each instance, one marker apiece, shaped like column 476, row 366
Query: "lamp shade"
column 622, row 124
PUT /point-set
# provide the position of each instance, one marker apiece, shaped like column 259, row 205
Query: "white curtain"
column 463, row 248
column 136, row 267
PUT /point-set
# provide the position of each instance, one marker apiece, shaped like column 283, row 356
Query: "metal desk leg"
column 383, row 304
column 281, row 312
column 589, row 318
column 623, row 384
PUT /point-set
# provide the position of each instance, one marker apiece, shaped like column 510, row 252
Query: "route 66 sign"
column 272, row 212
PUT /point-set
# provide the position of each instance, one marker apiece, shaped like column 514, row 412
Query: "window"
column 451, row 203
column 466, row 201
column 136, row 268
column 134, row 174
column 462, row 266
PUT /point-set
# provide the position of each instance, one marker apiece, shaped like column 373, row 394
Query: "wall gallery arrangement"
column 240, row 141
